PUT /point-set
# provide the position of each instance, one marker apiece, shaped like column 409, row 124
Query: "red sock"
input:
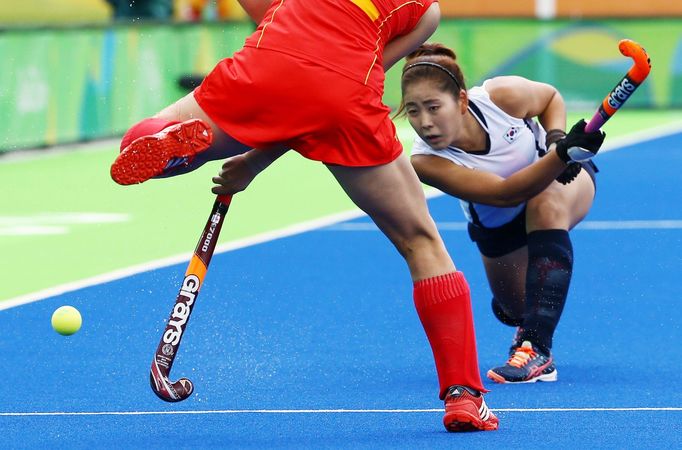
column 444, row 307
column 145, row 127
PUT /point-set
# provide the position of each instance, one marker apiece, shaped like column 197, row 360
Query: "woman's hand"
column 579, row 145
column 239, row 171
column 234, row 177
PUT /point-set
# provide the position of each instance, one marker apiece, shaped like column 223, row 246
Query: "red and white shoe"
column 150, row 156
column 465, row 410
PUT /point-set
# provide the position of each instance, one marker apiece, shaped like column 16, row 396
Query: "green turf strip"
column 165, row 216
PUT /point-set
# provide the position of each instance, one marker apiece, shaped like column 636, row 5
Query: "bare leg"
column 177, row 140
column 561, row 207
column 223, row 145
column 393, row 197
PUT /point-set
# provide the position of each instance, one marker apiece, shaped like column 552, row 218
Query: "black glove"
column 579, row 146
column 569, row 173
column 572, row 171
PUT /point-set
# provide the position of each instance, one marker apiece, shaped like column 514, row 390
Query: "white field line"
column 614, row 144
column 329, row 411
column 640, row 136
column 165, row 262
column 598, row 225
column 185, row 257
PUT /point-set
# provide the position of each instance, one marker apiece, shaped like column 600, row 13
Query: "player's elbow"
column 507, row 198
column 504, row 197
column 508, row 201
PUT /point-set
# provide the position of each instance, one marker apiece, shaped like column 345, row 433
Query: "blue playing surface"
column 312, row 341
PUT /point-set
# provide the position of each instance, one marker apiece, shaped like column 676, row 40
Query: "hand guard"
column 579, row 146
column 572, row 171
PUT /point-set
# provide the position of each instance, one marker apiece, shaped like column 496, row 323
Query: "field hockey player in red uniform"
column 311, row 78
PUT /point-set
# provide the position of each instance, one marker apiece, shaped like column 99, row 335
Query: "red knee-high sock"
column 444, row 307
column 145, row 127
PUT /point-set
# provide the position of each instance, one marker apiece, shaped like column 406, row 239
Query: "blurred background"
column 78, row 70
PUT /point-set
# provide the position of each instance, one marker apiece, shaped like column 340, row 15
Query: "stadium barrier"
column 62, row 85
column 550, row 9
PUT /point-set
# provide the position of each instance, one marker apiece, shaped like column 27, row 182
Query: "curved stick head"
column 640, row 70
column 165, row 389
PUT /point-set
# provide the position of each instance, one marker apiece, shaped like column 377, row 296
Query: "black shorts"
column 499, row 241
column 496, row 242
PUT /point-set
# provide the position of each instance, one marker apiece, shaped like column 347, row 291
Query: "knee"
column 547, row 212
column 418, row 243
column 423, row 249
column 421, row 244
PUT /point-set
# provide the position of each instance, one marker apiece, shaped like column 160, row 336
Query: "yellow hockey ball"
column 66, row 320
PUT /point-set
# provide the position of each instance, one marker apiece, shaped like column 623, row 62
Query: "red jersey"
column 311, row 78
column 347, row 36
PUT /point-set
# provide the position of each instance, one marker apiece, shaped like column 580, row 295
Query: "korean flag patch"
column 511, row 134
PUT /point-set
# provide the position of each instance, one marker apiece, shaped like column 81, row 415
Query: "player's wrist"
column 553, row 136
column 562, row 152
column 257, row 160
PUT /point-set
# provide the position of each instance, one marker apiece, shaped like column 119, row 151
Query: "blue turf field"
column 312, row 341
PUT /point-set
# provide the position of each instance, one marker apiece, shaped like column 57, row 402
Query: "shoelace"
column 521, row 357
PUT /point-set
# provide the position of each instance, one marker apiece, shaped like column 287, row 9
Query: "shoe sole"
column 147, row 157
column 548, row 377
column 458, row 421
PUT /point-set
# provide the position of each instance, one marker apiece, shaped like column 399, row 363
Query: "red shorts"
column 265, row 98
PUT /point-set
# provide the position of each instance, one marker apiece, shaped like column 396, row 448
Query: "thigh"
column 392, row 196
column 561, row 206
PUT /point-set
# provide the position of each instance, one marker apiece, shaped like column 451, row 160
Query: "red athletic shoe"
column 150, row 156
column 465, row 410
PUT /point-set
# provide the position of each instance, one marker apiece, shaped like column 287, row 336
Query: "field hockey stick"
column 162, row 386
column 625, row 88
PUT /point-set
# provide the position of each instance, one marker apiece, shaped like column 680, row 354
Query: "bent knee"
column 547, row 212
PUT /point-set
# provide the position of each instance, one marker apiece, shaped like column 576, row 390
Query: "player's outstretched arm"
column 239, row 171
column 527, row 99
column 491, row 189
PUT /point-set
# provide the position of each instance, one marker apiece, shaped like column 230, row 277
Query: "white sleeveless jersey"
column 511, row 145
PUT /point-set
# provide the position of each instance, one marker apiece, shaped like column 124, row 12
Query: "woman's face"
column 435, row 115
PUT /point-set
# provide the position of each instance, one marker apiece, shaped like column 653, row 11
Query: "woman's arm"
column 402, row 46
column 255, row 8
column 521, row 98
column 239, row 171
column 525, row 99
column 486, row 187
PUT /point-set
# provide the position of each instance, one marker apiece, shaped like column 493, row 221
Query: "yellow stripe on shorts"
column 368, row 7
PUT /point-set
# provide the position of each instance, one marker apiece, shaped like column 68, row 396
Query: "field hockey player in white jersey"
column 519, row 187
